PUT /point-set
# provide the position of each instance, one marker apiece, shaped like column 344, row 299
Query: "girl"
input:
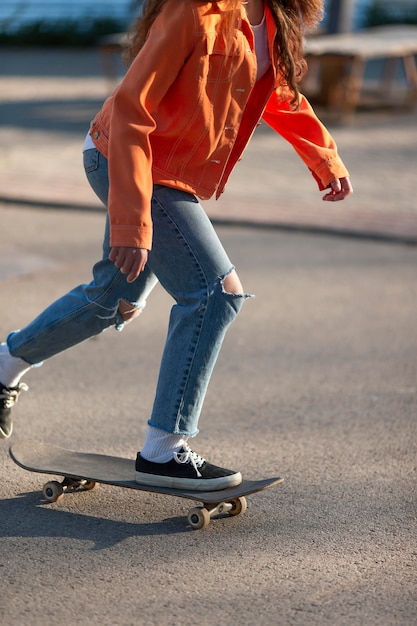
column 201, row 76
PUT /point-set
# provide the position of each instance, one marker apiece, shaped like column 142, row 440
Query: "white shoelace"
column 10, row 396
column 188, row 456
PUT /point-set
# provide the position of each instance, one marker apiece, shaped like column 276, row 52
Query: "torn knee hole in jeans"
column 231, row 284
column 128, row 311
column 121, row 313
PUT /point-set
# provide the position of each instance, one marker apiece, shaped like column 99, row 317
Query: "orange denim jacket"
column 185, row 111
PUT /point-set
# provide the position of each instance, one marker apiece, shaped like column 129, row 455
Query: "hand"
column 130, row 261
column 340, row 188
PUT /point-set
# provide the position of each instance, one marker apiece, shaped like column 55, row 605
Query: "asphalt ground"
column 316, row 382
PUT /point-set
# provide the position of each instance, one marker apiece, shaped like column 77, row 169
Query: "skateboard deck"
column 82, row 470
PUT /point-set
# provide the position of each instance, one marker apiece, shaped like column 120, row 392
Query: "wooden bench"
column 337, row 63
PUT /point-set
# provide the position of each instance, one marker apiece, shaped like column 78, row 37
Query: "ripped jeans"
column 189, row 261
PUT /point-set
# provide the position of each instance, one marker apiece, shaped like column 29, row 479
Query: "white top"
column 88, row 143
column 261, row 48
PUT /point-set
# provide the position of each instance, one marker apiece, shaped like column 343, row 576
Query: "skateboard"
column 82, row 470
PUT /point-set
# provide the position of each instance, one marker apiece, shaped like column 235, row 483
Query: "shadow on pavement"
column 27, row 516
column 55, row 115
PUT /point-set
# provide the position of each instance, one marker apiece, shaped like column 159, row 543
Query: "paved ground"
column 317, row 382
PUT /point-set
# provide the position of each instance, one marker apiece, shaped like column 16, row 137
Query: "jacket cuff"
column 328, row 172
column 130, row 237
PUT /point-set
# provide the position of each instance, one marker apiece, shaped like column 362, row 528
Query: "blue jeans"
column 189, row 261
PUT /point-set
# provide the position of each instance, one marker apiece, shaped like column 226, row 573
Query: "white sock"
column 160, row 446
column 12, row 368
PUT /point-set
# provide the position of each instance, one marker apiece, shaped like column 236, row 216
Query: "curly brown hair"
column 292, row 18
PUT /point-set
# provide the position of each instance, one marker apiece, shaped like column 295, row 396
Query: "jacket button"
column 96, row 135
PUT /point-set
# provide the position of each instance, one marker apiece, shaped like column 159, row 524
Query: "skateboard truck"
column 200, row 516
column 53, row 490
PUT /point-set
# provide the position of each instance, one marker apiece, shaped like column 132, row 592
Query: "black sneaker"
column 8, row 397
column 187, row 470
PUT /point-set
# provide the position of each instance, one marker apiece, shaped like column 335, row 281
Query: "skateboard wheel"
column 89, row 484
column 198, row 518
column 239, row 506
column 52, row 491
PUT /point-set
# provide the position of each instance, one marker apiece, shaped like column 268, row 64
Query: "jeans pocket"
column 91, row 159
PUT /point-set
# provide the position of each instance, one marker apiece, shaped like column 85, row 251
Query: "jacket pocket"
column 219, row 64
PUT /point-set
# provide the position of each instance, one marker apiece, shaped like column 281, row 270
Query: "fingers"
column 340, row 188
column 130, row 261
